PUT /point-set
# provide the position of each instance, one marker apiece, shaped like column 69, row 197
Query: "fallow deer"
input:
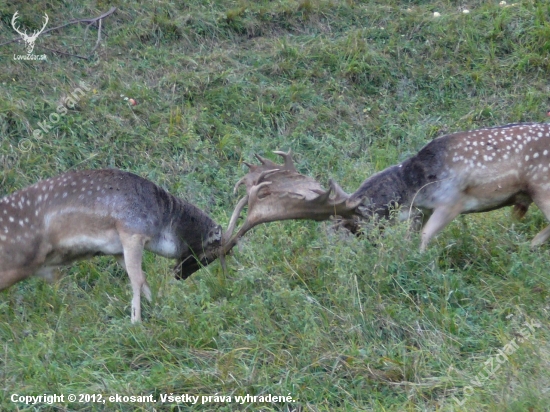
column 460, row 173
column 465, row 172
column 82, row 214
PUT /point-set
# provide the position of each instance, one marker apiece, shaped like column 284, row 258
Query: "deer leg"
column 8, row 278
column 133, row 245
column 519, row 210
column 541, row 237
column 419, row 219
column 440, row 218
column 544, row 234
column 145, row 288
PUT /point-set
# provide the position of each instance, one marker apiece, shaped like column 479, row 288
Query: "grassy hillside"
column 337, row 323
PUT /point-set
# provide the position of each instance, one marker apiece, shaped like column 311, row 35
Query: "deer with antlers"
column 460, row 173
column 79, row 215
column 29, row 40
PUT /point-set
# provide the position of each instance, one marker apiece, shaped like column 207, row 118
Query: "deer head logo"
column 29, row 40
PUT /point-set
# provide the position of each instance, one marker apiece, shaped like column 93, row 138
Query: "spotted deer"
column 109, row 212
column 82, row 214
column 460, row 173
column 465, row 172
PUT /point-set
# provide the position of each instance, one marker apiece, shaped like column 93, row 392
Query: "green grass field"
column 336, row 322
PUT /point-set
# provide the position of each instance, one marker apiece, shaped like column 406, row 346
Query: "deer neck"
column 395, row 186
column 191, row 230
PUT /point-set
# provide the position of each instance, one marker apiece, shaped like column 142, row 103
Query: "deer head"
column 29, row 40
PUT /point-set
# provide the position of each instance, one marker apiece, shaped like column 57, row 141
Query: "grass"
column 339, row 323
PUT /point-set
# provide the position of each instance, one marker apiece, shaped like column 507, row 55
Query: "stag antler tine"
column 289, row 164
column 13, row 19
column 265, row 173
column 234, row 217
column 256, row 180
column 266, row 162
column 338, row 191
column 254, row 191
column 340, row 195
column 240, row 182
column 323, row 197
column 46, row 22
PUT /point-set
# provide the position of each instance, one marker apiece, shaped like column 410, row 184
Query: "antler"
column 279, row 192
column 13, row 19
column 43, row 27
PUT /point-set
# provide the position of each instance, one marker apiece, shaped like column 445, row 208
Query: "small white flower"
column 465, row 11
column 502, row 3
column 436, row 14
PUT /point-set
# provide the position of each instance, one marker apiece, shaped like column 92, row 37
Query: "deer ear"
column 213, row 237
